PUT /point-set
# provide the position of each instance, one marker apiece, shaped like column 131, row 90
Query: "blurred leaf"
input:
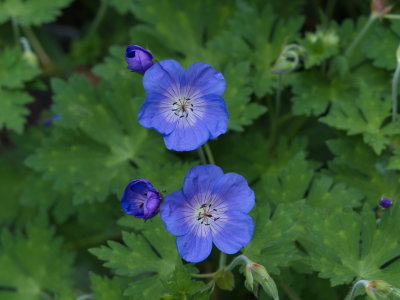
column 12, row 109
column 149, row 257
column 31, row 12
column 382, row 46
column 14, row 69
column 32, row 264
column 107, row 289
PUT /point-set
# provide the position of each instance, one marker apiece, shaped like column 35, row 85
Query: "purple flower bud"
column 141, row 199
column 138, row 58
column 385, row 203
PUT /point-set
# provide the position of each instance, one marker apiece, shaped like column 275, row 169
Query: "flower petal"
column 200, row 180
column 235, row 233
column 175, row 213
column 194, row 247
column 214, row 114
column 164, row 78
column 201, row 79
column 189, row 134
column 156, row 113
column 235, row 192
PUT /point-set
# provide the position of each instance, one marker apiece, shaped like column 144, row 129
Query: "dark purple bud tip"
column 385, row 203
column 141, row 199
column 138, row 58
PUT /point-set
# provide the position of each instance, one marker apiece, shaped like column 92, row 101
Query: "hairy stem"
column 395, row 83
column 98, row 18
column 360, row 35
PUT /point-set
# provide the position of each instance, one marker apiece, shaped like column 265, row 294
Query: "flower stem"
column 222, row 260
column 202, row 155
column 392, row 16
column 98, row 18
column 236, row 261
column 209, row 154
column 355, row 287
column 395, row 83
column 278, row 95
column 37, row 46
column 15, row 30
column 205, row 275
column 360, row 35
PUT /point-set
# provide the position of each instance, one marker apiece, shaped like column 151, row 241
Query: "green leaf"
column 273, row 242
column 104, row 288
column 32, row 264
column 180, row 285
column 186, row 31
column 325, row 194
column 365, row 115
column 382, row 46
column 291, row 182
column 358, row 166
column 237, row 97
column 12, row 109
column 31, row 12
column 148, row 257
column 14, row 69
column 344, row 246
column 99, row 135
column 262, row 49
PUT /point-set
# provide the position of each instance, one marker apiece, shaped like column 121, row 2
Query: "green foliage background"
column 315, row 142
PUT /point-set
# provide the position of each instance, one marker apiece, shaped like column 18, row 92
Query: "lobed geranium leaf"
column 14, row 69
column 365, row 115
column 108, row 288
column 13, row 110
column 99, row 135
column 148, row 257
column 31, row 12
column 237, row 96
column 273, row 241
column 382, row 46
column 358, row 166
column 32, row 264
column 344, row 246
column 260, row 49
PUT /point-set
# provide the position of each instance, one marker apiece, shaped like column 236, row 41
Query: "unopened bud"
column 28, row 55
column 289, row 59
column 379, row 9
column 256, row 275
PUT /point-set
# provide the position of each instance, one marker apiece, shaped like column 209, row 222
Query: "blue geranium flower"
column 212, row 207
column 141, row 199
column 186, row 107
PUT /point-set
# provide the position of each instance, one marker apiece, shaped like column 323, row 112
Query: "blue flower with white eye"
column 212, row 207
column 141, row 199
column 186, row 107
